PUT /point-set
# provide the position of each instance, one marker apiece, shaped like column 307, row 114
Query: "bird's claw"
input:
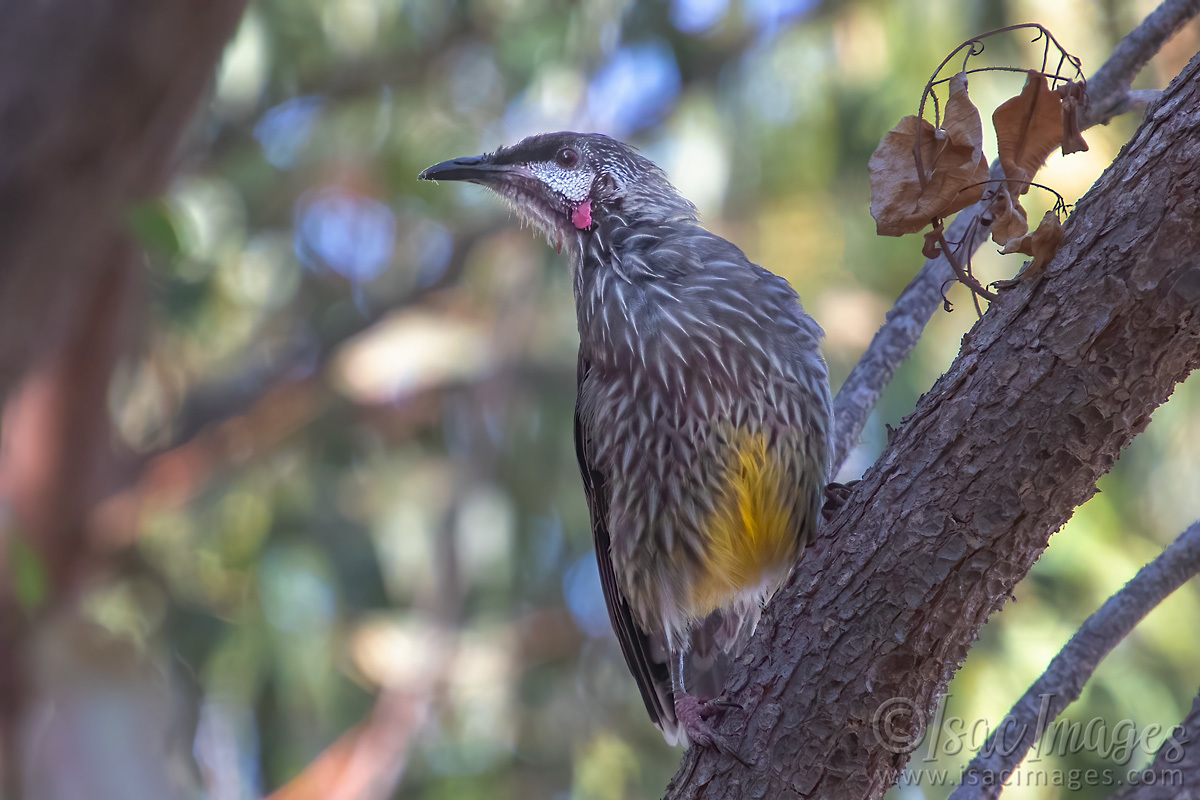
column 836, row 495
column 693, row 714
column 724, row 705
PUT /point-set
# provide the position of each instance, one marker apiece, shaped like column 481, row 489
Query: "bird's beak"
column 477, row 169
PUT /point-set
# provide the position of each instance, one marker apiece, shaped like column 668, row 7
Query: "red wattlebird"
column 703, row 415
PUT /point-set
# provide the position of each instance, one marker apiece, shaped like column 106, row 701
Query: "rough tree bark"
column 1060, row 375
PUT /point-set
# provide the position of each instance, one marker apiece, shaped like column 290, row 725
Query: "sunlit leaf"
column 1042, row 244
column 1028, row 128
column 1074, row 101
column 1006, row 217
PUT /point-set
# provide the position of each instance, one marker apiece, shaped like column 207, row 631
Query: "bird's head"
column 562, row 183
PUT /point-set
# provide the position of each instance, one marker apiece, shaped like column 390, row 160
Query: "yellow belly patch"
column 752, row 534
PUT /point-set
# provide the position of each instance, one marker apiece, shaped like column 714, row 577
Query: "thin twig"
column 974, row 47
column 1055, row 77
column 1064, row 679
column 1108, row 90
column 1109, row 94
column 961, row 272
column 1060, row 203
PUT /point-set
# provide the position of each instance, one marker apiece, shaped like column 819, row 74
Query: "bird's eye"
column 567, row 158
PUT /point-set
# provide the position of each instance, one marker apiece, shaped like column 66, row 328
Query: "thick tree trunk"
column 1060, row 375
column 94, row 98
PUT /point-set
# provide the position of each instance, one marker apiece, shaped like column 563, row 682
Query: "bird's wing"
column 653, row 678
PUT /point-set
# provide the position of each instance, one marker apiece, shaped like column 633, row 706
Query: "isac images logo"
column 900, row 725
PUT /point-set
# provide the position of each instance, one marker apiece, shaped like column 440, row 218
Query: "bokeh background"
column 361, row 531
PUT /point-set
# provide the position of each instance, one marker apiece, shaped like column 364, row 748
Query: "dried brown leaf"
column 1074, row 102
column 951, row 157
column 932, row 247
column 1042, row 244
column 1005, row 216
column 1028, row 128
column 962, row 122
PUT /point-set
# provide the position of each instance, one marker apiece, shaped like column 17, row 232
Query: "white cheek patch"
column 575, row 185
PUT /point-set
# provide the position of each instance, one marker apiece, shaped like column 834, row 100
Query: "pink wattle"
column 581, row 217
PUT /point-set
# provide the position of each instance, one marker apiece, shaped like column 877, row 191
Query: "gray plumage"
column 703, row 413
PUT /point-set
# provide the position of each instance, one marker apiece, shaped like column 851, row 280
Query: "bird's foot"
column 836, row 495
column 693, row 714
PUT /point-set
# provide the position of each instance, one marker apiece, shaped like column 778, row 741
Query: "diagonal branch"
column 1063, row 680
column 901, row 330
column 1109, row 95
column 1174, row 774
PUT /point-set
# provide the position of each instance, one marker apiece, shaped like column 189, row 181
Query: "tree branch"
column 1051, row 384
column 899, row 334
column 894, row 341
column 1108, row 89
column 57, row 430
column 1063, row 680
column 1175, row 772
column 367, row 761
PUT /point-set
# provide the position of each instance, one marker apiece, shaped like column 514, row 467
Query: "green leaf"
column 28, row 574
column 152, row 225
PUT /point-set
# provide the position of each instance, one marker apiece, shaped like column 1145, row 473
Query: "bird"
column 703, row 412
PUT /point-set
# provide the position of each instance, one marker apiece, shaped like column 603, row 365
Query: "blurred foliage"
column 398, row 360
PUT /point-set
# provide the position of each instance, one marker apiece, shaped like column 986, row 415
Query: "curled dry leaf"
column 1042, row 244
column 932, row 247
column 1028, row 128
column 1005, row 216
column 952, row 160
column 1074, row 103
